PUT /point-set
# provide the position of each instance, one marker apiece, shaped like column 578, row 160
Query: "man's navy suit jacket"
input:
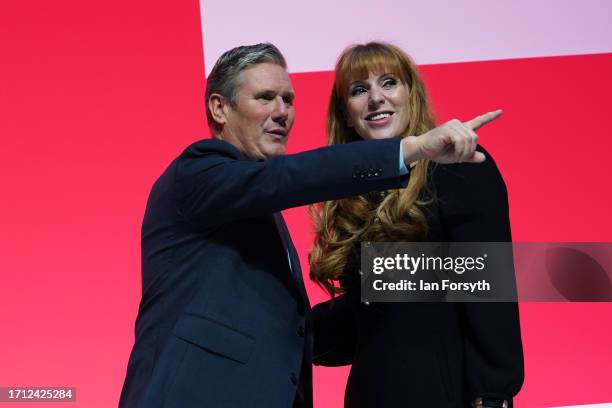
column 224, row 319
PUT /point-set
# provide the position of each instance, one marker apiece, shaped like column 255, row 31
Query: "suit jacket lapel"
column 292, row 257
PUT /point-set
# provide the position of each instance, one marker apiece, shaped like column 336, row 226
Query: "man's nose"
column 280, row 113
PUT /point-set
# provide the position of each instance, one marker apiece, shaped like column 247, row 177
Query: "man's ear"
column 218, row 106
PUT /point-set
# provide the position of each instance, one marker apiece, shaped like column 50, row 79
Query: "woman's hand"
column 451, row 142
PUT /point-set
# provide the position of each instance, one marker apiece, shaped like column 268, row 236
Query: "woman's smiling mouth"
column 379, row 118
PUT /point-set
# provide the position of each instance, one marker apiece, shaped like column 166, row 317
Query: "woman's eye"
column 358, row 90
column 389, row 82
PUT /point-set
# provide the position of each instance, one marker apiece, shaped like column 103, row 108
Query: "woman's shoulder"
column 461, row 174
column 468, row 184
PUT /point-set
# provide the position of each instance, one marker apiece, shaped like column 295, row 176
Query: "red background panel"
column 552, row 145
column 95, row 101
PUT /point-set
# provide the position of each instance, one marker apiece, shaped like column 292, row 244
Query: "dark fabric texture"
column 224, row 319
column 430, row 354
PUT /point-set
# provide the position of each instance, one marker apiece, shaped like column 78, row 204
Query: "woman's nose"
column 376, row 97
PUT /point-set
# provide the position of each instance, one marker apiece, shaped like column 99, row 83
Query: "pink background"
column 312, row 33
column 97, row 98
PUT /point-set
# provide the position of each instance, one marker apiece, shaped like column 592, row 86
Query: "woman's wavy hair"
column 340, row 224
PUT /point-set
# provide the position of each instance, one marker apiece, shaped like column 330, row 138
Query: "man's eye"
column 266, row 97
column 288, row 101
column 358, row 90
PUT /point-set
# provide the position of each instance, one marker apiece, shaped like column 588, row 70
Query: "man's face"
column 260, row 122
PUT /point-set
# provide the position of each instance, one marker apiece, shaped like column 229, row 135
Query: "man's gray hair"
column 224, row 79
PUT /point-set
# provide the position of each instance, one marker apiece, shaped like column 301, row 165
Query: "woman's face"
column 377, row 107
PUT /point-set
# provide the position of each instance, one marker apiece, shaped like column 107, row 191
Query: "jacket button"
column 301, row 331
column 293, row 378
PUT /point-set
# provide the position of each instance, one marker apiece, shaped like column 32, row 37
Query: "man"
column 224, row 319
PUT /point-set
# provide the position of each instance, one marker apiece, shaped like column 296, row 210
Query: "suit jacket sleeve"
column 215, row 184
column 474, row 208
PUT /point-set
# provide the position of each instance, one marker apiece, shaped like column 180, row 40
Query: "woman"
column 409, row 354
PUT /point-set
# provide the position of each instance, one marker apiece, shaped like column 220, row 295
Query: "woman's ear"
column 347, row 120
